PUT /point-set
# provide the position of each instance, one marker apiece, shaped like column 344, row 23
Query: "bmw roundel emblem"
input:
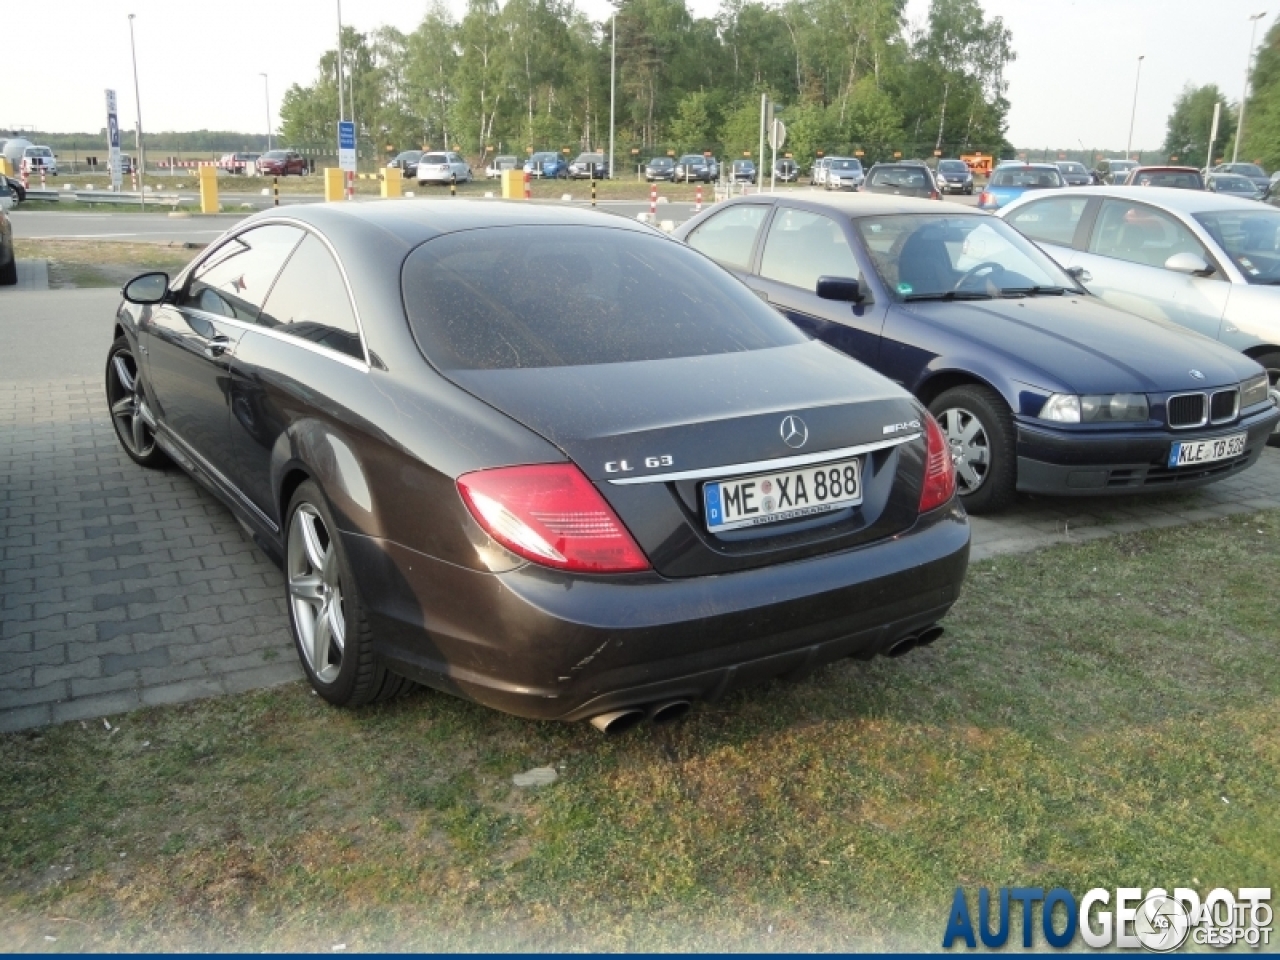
column 1197, row 374
column 794, row 431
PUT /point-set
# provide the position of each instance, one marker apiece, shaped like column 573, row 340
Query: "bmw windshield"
column 937, row 257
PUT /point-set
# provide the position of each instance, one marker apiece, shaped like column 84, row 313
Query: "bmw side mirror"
column 844, row 289
column 1186, row 262
column 147, row 289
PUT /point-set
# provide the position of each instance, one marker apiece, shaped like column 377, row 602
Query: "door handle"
column 217, row 347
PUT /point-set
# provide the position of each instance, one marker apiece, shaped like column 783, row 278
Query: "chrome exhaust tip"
column 929, row 635
column 669, row 712
column 901, row 645
column 618, row 721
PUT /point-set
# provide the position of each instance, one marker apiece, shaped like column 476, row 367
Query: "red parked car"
column 281, row 163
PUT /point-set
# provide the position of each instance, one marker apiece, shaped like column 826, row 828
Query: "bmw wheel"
column 327, row 619
column 131, row 413
column 979, row 430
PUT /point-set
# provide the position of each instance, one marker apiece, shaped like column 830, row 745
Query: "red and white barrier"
column 528, row 186
column 697, row 201
column 653, row 200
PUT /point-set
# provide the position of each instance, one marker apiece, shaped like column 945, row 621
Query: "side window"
column 235, row 280
column 1140, row 234
column 803, row 246
column 729, row 237
column 310, row 301
column 1051, row 221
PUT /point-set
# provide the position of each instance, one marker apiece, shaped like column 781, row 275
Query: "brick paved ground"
column 121, row 587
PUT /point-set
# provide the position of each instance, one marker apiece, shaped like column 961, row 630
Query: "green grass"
column 1105, row 714
column 102, row 263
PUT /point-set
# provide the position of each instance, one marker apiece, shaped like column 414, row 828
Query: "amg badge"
column 899, row 427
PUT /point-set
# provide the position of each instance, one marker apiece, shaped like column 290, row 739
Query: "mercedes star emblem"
column 794, row 432
column 1197, row 374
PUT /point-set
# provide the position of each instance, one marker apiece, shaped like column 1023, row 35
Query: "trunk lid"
column 651, row 434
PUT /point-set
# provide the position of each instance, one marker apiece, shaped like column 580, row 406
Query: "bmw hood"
column 1077, row 344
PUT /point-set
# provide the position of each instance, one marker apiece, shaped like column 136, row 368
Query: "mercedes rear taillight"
column 551, row 514
column 939, row 470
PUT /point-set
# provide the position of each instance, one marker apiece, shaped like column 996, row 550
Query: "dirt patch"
column 103, row 263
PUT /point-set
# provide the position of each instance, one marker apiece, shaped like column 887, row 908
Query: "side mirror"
column 1186, row 262
column 845, row 289
column 147, row 289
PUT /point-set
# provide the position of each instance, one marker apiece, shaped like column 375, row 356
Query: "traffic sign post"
column 113, row 140
column 347, row 153
column 777, row 137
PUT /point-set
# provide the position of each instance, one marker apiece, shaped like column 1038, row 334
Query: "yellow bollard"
column 392, row 182
column 5, row 169
column 335, row 187
column 209, row 190
column 513, row 184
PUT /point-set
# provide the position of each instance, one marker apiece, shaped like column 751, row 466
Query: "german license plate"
column 785, row 495
column 1190, row 452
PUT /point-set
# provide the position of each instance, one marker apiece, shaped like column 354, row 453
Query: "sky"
column 200, row 65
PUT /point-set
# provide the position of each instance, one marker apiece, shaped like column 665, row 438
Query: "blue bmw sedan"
column 1039, row 386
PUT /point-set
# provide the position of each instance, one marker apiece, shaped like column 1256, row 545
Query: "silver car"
column 1203, row 260
column 843, row 173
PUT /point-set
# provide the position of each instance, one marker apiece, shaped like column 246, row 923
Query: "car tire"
column 327, row 618
column 128, row 403
column 1271, row 363
column 9, row 272
column 978, row 426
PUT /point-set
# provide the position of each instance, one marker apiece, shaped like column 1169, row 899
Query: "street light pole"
column 1134, row 113
column 266, row 90
column 137, row 102
column 342, row 109
column 1248, row 72
column 613, row 65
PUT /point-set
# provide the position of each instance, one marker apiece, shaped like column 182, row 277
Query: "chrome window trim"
column 1235, row 411
column 346, row 281
column 318, row 348
column 1204, row 419
column 761, row 466
column 188, row 451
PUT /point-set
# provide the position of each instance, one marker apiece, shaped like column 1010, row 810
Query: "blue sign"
column 346, row 135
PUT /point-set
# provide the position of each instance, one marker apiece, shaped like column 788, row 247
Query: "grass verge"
column 1098, row 715
column 102, row 263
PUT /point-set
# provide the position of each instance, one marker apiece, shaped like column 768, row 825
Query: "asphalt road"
column 161, row 228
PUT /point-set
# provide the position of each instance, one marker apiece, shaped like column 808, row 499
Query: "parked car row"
column 796, row 399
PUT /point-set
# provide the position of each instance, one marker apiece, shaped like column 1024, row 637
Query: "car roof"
column 1180, row 201
column 1166, row 169
column 871, row 204
column 415, row 221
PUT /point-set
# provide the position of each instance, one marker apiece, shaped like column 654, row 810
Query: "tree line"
column 523, row 75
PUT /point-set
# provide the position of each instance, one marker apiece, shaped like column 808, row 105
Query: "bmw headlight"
column 1114, row 408
column 1062, row 407
column 1254, row 391
column 1096, row 408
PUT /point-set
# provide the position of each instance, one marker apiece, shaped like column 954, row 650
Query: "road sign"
column 347, row 146
column 777, row 134
column 113, row 140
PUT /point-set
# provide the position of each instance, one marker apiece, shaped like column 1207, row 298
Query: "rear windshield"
column 910, row 177
column 563, row 296
column 1022, row 177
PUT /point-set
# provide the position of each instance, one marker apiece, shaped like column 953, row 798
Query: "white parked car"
column 36, row 159
column 494, row 170
column 1202, row 260
column 442, row 167
column 818, row 175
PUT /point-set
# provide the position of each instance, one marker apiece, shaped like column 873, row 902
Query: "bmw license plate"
column 1191, row 452
column 785, row 495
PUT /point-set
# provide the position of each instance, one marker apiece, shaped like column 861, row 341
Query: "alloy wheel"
column 135, row 424
column 970, row 447
column 1273, row 374
column 315, row 593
